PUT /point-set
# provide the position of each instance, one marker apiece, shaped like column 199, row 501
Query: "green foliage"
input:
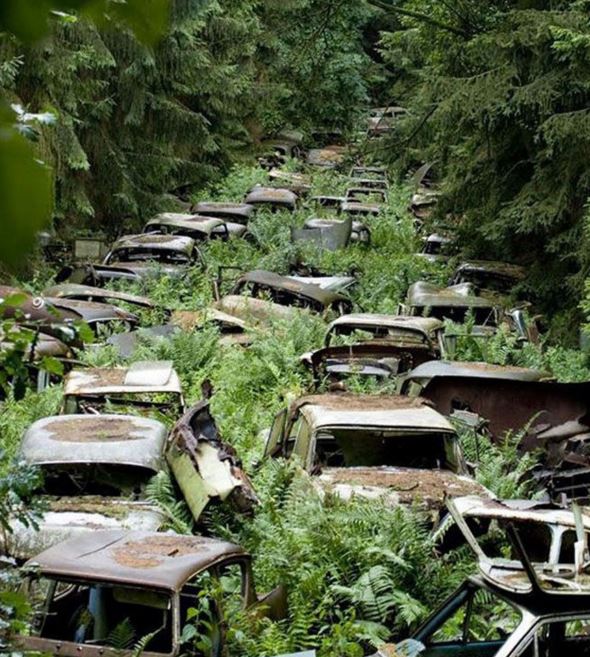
column 499, row 95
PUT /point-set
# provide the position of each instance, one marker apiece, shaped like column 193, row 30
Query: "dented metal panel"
column 205, row 467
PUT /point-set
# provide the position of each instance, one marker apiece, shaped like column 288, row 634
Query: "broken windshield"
column 373, row 448
column 73, row 480
column 142, row 254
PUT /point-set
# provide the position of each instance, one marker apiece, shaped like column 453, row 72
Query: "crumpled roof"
column 144, row 559
column 262, row 277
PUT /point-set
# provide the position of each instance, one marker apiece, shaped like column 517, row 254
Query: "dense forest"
column 113, row 111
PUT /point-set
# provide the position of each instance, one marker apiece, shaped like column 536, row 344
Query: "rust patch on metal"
column 91, row 430
column 151, row 551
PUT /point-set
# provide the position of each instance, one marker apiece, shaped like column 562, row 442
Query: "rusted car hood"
column 72, row 516
column 428, row 488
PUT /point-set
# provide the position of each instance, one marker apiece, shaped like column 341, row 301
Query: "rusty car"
column 263, row 294
column 199, row 228
column 372, row 172
column 273, row 198
column 492, row 277
column 238, row 213
column 86, row 589
column 382, row 119
column 552, row 417
column 379, row 346
column 144, row 387
column 374, row 446
column 146, row 255
column 358, row 209
column 298, row 183
column 436, row 248
column 330, row 206
column 95, row 470
column 367, row 195
column 59, row 317
column 540, row 592
column 79, row 292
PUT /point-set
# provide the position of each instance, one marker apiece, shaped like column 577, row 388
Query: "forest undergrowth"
column 358, row 573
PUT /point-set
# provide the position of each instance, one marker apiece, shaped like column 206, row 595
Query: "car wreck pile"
column 102, row 551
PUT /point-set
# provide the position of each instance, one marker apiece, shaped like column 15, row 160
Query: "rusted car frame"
column 357, row 209
column 373, row 447
column 144, row 385
column 544, row 590
column 369, row 195
column 496, row 277
column 171, row 254
column 286, row 291
column 95, row 468
column 372, row 172
column 79, row 292
column 84, row 589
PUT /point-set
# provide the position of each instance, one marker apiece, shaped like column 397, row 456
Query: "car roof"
column 139, row 559
column 260, row 194
column 194, row 222
column 385, row 411
column 315, row 292
column 74, row 290
column 109, row 439
column 433, row 368
column 498, row 268
column 162, row 242
column 223, row 207
column 422, row 325
column 426, row 294
column 142, row 376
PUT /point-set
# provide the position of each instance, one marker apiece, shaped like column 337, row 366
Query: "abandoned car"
column 58, row 317
column 238, row 213
column 382, row 119
column 272, row 292
column 424, row 333
column 492, row 277
column 389, row 447
column 145, row 386
column 80, row 292
column 148, row 254
column 436, row 248
column 381, row 346
column 535, row 603
column 368, row 195
column 273, row 198
column 372, row 172
column 199, row 228
column 358, row 209
column 143, row 586
column 95, row 470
